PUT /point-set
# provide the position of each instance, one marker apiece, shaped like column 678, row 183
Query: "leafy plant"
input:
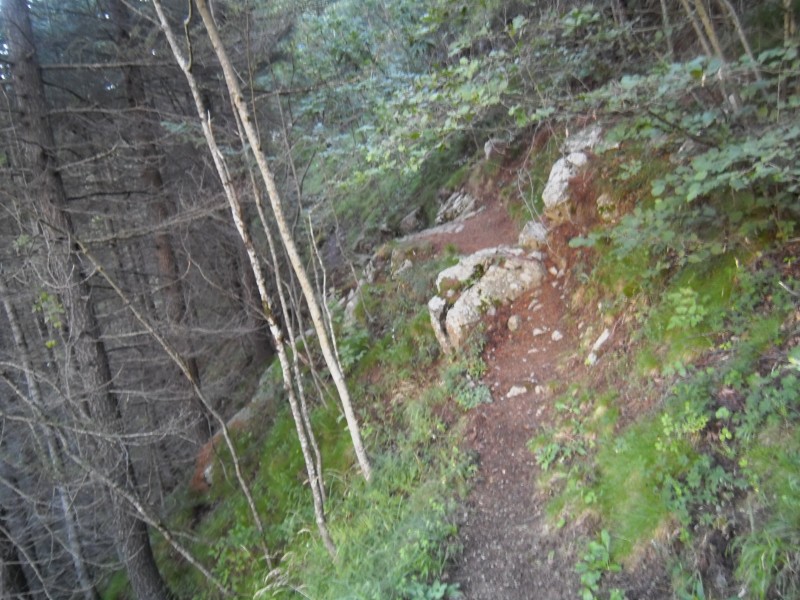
column 595, row 562
column 433, row 591
column 353, row 345
column 688, row 310
column 470, row 396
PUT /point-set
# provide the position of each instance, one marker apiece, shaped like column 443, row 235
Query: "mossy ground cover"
column 706, row 321
column 394, row 535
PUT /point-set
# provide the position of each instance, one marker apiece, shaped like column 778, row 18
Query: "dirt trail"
column 509, row 551
column 511, row 548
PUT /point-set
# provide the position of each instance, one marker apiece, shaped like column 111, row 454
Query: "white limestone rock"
column 533, row 236
column 497, row 276
column 515, row 391
column 457, row 206
column 411, row 222
column 585, row 139
column 557, row 189
column 436, row 308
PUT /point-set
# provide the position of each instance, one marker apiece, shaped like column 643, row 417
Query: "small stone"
column 407, row 264
column 606, row 208
column 514, row 322
column 553, row 271
column 592, row 358
column 537, row 331
column 556, row 336
column 538, row 390
column 516, row 390
column 537, row 255
column 491, row 311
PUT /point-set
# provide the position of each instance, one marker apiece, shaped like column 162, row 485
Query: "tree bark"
column 53, row 448
column 145, row 133
column 13, row 583
column 266, row 304
column 93, row 376
column 284, row 230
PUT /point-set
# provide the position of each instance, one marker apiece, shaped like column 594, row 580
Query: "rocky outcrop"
column 411, row 222
column 585, row 139
column 556, row 191
column 479, row 281
column 459, row 205
column 533, row 236
column 494, row 147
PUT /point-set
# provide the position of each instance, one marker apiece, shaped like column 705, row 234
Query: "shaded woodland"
column 189, row 187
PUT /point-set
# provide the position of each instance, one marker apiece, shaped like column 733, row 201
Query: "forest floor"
column 512, row 550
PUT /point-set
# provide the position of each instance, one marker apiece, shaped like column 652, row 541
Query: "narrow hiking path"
column 512, row 550
column 507, row 553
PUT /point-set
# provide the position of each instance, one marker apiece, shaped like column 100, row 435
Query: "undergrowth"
column 395, row 535
column 702, row 268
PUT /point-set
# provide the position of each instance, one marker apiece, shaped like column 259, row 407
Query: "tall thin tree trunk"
column 146, row 136
column 667, row 29
column 789, row 22
column 737, row 25
column 258, row 341
column 698, row 28
column 93, row 374
column 54, row 456
column 711, row 31
column 244, row 233
column 13, row 583
column 312, row 301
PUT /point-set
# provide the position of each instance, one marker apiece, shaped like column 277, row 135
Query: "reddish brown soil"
column 491, row 227
column 511, row 549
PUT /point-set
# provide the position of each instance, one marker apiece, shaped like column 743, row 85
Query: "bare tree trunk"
column 737, row 25
column 258, row 340
column 13, row 583
column 698, row 29
column 244, row 234
column 146, row 134
column 789, row 22
column 667, row 29
column 94, row 374
column 710, row 30
column 313, row 303
column 300, row 412
column 54, row 456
